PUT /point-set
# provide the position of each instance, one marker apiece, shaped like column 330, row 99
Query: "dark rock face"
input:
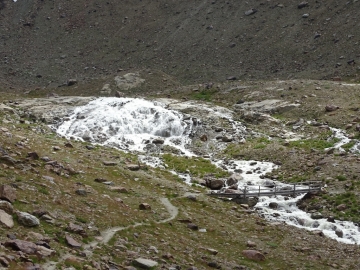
column 220, row 60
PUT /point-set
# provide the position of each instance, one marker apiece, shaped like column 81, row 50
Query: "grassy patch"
column 318, row 144
column 196, row 166
column 205, row 95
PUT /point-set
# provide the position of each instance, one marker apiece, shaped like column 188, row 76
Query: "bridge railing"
column 288, row 190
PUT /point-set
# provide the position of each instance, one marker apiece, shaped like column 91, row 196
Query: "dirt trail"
column 108, row 234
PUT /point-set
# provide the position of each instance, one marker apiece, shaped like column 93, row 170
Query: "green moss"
column 196, row 166
column 341, row 177
column 318, row 144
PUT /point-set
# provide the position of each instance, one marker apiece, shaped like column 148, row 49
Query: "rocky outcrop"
column 128, row 81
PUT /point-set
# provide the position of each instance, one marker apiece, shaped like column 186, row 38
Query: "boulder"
column 273, row 205
column 316, row 215
column 234, row 179
column 214, row 183
column 23, row 246
column 105, row 90
column 6, row 219
column 133, row 167
column 128, row 81
column 27, row 219
column 7, row 193
column 7, row 207
column 72, row 242
column 145, row 263
column 253, row 255
column 331, row 108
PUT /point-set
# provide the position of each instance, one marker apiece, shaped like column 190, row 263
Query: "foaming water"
column 344, row 139
column 138, row 125
column 127, row 124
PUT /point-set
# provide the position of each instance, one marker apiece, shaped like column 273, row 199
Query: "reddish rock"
column 7, row 193
column 72, row 242
column 23, row 246
column 341, row 207
column 253, row 255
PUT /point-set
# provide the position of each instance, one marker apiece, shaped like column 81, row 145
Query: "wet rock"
column 144, row 263
column 339, row 233
column 72, row 242
column 316, row 215
column 158, row 141
column 269, row 183
column 6, row 219
column 318, row 232
column 273, row 205
column 214, row 184
column 7, row 207
column 144, row 206
column 7, row 193
column 253, row 255
column 234, row 179
column 27, row 219
column 331, row 219
column 119, row 94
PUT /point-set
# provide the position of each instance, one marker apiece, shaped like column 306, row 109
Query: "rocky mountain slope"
column 45, row 43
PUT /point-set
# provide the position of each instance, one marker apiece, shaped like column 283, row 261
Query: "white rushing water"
column 343, row 138
column 134, row 124
column 127, row 124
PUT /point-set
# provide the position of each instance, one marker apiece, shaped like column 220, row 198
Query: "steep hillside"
column 44, row 43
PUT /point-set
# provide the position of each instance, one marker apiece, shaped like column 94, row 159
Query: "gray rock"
column 302, row 5
column 27, row 219
column 227, row 138
column 128, row 81
column 250, row 12
column 234, row 179
column 105, row 90
column 339, row 233
column 145, row 263
column 7, row 207
column 110, row 163
column 6, row 219
column 253, row 255
column 316, row 215
column 273, row 205
column 81, row 192
column 72, row 242
column 7, row 193
column 214, row 183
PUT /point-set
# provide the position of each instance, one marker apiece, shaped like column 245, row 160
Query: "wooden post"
column 259, row 192
column 245, row 192
column 294, row 189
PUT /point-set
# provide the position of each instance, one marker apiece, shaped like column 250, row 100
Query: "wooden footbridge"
column 258, row 191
